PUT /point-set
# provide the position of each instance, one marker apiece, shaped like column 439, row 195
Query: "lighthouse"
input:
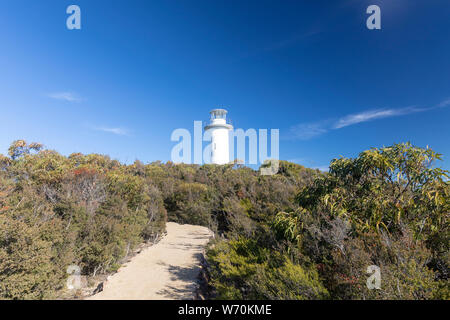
column 220, row 131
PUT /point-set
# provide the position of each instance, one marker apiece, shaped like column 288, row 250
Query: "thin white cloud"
column 306, row 131
column 65, row 96
column 373, row 115
column 116, row 131
column 444, row 103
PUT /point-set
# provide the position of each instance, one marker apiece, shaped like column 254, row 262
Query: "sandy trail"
column 167, row 270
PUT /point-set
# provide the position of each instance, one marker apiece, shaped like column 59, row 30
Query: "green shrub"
column 56, row 211
column 242, row 269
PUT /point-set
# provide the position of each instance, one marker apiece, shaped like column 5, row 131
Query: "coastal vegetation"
column 298, row 234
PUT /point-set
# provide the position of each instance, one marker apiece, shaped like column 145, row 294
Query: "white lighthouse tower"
column 219, row 129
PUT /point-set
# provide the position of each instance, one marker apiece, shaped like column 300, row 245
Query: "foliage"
column 297, row 234
column 241, row 269
column 388, row 207
column 56, row 211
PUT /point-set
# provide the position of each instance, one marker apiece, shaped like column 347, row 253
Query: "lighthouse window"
column 214, row 146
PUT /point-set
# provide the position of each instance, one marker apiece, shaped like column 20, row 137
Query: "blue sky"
column 137, row 70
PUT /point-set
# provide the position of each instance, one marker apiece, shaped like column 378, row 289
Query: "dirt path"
column 167, row 270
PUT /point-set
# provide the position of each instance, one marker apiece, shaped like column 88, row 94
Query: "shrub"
column 242, row 269
column 56, row 211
